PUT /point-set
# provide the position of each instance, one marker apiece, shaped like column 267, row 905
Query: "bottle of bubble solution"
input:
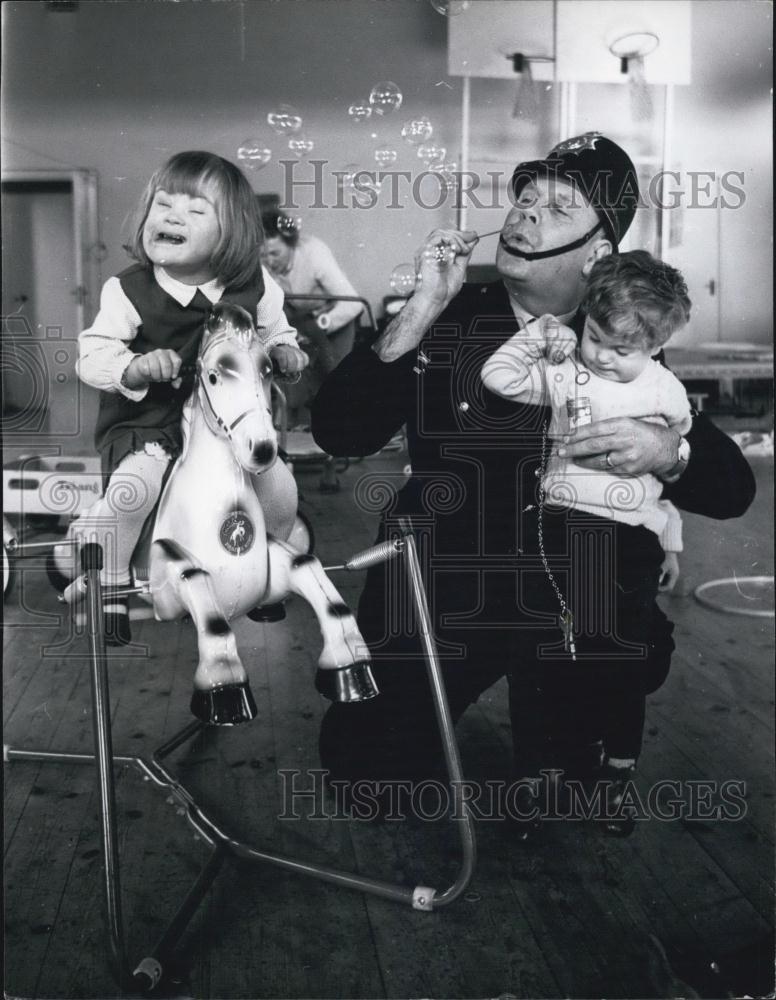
column 580, row 412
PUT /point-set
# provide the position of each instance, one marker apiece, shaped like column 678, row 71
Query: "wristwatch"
column 682, row 460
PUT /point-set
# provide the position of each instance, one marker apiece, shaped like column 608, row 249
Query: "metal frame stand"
column 150, row 970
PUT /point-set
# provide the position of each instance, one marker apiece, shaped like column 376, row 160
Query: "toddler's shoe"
column 116, row 619
column 523, row 804
column 619, row 819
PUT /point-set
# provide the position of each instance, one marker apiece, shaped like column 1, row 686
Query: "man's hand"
column 441, row 264
column 288, row 359
column 440, row 278
column 162, row 365
column 623, row 445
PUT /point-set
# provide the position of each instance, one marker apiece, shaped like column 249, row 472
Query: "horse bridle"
column 199, row 369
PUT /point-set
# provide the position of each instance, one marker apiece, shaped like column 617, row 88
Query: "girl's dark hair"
column 273, row 226
column 637, row 297
column 235, row 261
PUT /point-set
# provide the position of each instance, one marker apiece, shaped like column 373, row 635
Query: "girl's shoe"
column 117, row 630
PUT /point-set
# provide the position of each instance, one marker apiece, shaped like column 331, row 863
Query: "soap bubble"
column 385, row 155
column 450, row 8
column 385, row 97
column 253, row 154
column 403, row 279
column 445, row 254
column 360, row 112
column 442, row 253
column 301, row 146
column 366, row 187
column 368, row 181
column 430, row 153
column 417, row 130
column 284, row 120
column 346, row 176
column 289, row 225
column 448, row 174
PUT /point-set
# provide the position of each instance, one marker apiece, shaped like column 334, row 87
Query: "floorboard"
column 570, row 914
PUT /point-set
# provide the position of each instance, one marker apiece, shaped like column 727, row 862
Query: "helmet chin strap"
column 514, row 252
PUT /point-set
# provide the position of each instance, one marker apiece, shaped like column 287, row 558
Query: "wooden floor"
column 573, row 914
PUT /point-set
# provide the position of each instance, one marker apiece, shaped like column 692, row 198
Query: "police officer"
column 473, row 455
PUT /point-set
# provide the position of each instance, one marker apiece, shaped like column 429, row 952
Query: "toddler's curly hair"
column 637, row 298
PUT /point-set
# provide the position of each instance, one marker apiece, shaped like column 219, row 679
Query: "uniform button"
column 463, row 407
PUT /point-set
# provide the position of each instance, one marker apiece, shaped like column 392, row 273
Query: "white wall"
column 120, row 86
column 723, row 122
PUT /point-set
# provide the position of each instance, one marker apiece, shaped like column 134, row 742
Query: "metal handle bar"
column 191, row 367
column 336, row 298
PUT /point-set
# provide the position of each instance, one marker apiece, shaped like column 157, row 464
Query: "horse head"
column 234, row 386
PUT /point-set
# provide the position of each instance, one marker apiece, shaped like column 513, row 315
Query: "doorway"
column 50, row 287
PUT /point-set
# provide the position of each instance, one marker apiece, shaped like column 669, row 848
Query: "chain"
column 566, row 618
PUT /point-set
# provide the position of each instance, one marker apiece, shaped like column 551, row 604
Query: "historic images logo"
column 237, row 533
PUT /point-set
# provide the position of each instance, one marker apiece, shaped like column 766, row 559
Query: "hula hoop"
column 700, row 595
column 8, row 574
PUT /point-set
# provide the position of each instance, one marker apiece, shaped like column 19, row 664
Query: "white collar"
column 523, row 314
column 520, row 313
column 183, row 294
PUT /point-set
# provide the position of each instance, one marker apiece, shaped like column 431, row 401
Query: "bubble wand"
column 405, row 279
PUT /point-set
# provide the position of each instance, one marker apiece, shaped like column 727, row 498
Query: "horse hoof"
column 353, row 683
column 267, row 613
column 224, row 706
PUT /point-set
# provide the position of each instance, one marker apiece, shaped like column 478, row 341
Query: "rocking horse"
column 209, row 555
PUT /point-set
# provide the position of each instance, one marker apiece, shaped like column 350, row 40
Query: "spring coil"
column 376, row 554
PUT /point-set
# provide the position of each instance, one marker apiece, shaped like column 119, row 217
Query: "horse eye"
column 266, row 371
column 213, row 378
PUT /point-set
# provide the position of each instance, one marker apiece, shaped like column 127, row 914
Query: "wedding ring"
column 608, row 460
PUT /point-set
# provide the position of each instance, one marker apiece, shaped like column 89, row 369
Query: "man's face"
column 549, row 213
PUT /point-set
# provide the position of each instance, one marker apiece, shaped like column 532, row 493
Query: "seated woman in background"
column 304, row 265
